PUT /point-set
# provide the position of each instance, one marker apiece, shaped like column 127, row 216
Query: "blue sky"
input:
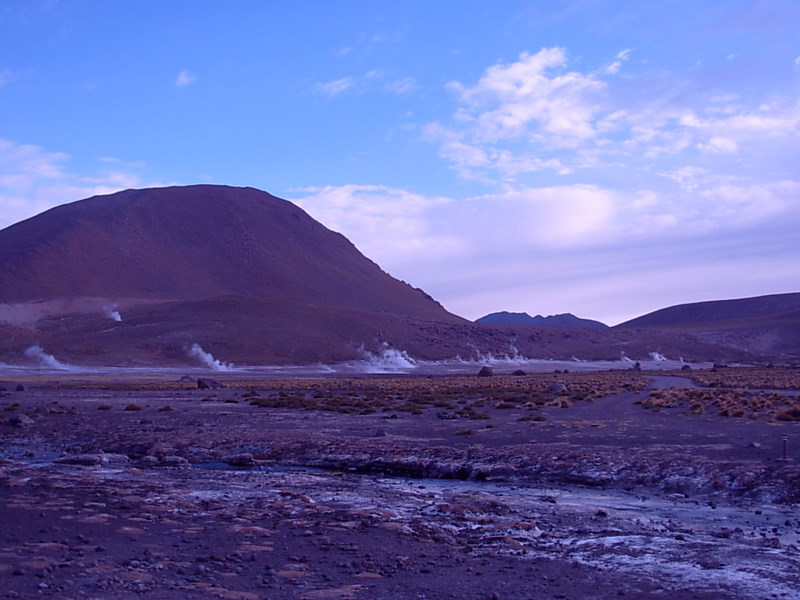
column 600, row 157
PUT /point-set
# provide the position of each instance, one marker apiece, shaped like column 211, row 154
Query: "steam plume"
column 47, row 360
column 207, row 359
column 112, row 312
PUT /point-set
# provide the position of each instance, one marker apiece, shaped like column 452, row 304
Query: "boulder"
column 208, row 384
column 485, row 372
column 244, row 459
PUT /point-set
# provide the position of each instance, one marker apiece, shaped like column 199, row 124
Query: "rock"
column 148, row 462
column 185, row 379
column 111, row 458
column 208, row 384
column 637, row 366
column 20, row 421
column 556, row 388
column 173, row 461
column 244, row 459
column 20, row 387
column 86, row 460
column 686, row 368
column 519, row 373
column 485, row 372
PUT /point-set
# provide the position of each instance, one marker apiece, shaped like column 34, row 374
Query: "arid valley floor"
column 619, row 484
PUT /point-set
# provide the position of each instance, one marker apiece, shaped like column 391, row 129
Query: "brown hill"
column 199, row 263
column 190, row 243
column 764, row 324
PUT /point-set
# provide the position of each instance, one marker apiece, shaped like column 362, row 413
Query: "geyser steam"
column 112, row 313
column 47, row 360
column 207, row 359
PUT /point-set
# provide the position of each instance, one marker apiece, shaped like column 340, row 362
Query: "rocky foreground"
column 548, row 486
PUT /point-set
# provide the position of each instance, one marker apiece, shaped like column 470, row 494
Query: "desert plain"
column 612, row 484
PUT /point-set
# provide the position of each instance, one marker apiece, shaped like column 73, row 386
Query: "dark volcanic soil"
column 156, row 490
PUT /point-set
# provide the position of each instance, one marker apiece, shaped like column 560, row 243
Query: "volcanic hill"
column 245, row 274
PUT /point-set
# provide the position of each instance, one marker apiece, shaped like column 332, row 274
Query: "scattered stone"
column 20, row 420
column 86, row 460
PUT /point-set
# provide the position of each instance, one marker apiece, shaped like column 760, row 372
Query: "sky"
column 601, row 157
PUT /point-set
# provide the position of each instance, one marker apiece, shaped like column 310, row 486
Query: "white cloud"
column 5, row 77
column 33, row 180
column 535, row 114
column 528, row 247
column 185, row 78
column 385, row 222
column 336, row 87
column 532, row 98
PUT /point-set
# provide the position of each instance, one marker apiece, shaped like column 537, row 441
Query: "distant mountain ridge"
column 763, row 324
column 561, row 320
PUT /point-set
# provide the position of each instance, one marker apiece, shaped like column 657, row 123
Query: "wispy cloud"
column 5, row 76
column 335, row 87
column 405, row 85
column 375, row 79
column 185, row 78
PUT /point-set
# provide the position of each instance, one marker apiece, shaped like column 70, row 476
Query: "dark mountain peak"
column 561, row 320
